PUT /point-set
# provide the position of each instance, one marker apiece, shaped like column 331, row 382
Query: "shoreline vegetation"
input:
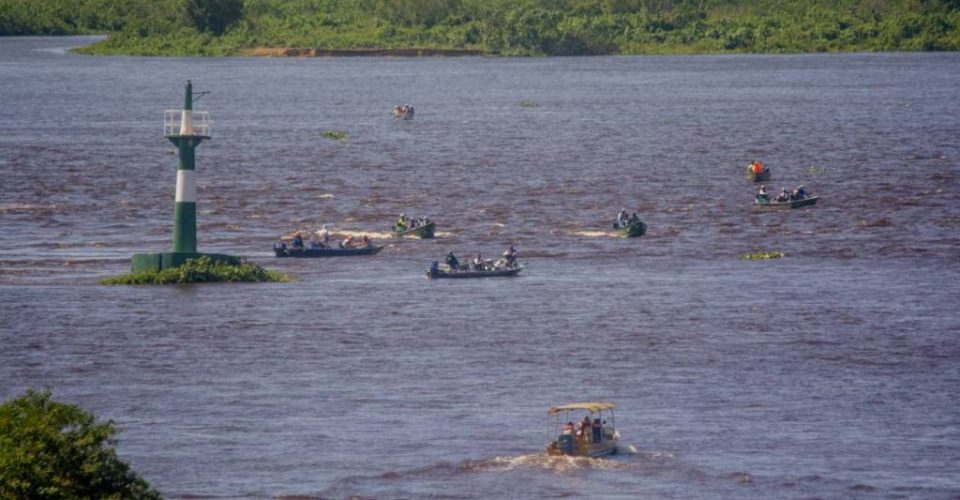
column 311, row 28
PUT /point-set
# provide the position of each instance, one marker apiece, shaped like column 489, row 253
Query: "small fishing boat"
column 438, row 271
column 804, row 202
column 757, row 172
column 589, row 437
column 632, row 230
column 282, row 250
column 403, row 112
column 423, row 232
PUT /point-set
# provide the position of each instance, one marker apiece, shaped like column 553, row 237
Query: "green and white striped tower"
column 186, row 129
column 186, row 139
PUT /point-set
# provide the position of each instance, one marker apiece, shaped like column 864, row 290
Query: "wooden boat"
column 633, row 230
column 805, row 202
column 437, row 272
column 596, row 440
column 423, row 232
column 282, row 250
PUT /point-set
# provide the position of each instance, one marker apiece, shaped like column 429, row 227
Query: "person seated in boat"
column 756, row 167
column 622, row 218
column 568, row 428
column 347, row 242
column 799, row 193
column 478, row 263
column 401, row 225
column 783, row 196
column 452, row 261
column 762, row 195
column 297, row 240
column 597, row 429
column 365, row 241
column 633, row 219
column 586, row 426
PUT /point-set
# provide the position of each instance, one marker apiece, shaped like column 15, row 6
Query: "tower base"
column 167, row 260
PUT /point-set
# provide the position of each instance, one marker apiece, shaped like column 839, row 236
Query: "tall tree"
column 56, row 450
column 213, row 15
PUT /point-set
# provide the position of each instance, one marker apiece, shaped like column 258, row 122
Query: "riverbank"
column 471, row 27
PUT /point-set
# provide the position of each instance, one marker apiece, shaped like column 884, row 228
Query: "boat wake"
column 595, row 234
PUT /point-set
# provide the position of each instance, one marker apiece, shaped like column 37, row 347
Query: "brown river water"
column 831, row 372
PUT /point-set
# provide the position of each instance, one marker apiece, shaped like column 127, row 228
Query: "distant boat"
column 757, row 172
column 403, row 112
column 591, row 437
column 437, row 272
column 424, row 232
column 805, row 202
column 282, row 250
column 633, row 229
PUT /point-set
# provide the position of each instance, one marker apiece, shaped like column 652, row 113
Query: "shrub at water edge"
column 57, row 450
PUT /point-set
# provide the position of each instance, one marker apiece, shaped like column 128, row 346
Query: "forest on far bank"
column 496, row 27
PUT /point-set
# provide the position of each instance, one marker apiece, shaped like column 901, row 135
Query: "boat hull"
column 473, row 274
column 633, row 230
column 282, row 251
column 763, row 176
column 806, row 202
column 608, row 447
column 423, row 232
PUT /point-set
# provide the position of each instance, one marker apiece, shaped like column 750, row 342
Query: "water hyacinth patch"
column 336, row 135
column 529, row 104
column 202, row 270
column 776, row 254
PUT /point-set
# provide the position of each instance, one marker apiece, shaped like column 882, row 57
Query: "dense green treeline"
column 508, row 27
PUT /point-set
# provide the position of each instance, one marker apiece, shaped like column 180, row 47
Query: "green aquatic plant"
column 336, row 135
column 529, row 104
column 776, row 254
column 814, row 170
column 201, row 270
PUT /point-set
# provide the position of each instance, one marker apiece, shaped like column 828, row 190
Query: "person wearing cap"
column 762, row 196
column 783, row 196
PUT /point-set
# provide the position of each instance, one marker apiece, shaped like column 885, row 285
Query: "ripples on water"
column 828, row 373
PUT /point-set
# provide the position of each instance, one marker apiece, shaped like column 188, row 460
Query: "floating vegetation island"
column 336, row 135
column 200, row 270
column 529, row 104
column 776, row 254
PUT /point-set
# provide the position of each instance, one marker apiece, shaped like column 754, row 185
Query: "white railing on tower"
column 173, row 120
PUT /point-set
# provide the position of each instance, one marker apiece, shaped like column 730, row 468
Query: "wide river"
column 831, row 372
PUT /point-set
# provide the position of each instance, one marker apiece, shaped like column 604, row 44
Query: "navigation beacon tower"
column 186, row 129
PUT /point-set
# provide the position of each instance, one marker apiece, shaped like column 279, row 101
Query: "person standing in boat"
column 452, row 261
column 401, row 223
column 478, row 262
column 597, row 428
column 297, row 240
column 586, row 426
column 324, row 235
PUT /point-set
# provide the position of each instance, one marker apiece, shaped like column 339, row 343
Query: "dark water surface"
column 832, row 372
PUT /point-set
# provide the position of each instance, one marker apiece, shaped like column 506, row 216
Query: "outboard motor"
column 434, row 267
column 565, row 443
column 280, row 248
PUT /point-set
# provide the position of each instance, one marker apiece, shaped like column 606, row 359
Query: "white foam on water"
column 595, row 234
